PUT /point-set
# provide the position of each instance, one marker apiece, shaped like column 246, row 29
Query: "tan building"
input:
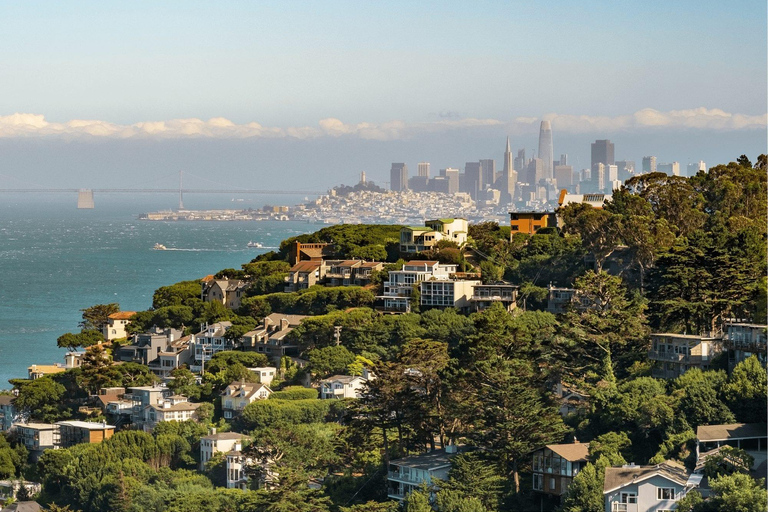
column 555, row 465
column 674, row 354
column 226, row 291
column 37, row 371
column 238, row 395
column 116, row 324
column 530, row 222
column 173, row 408
column 271, row 338
column 36, row 437
column 449, row 293
column 485, row 295
column 214, row 443
column 419, row 239
column 71, row 433
column 303, row 275
column 743, row 340
column 310, row 252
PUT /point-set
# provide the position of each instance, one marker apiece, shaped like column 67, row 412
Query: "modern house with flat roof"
column 449, row 293
column 409, row 473
column 743, row 340
column 423, row 238
column 398, row 289
column 750, row 437
column 485, row 295
column 73, row 432
column 530, row 222
column 674, row 354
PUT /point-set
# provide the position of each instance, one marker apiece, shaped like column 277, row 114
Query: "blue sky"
column 288, row 65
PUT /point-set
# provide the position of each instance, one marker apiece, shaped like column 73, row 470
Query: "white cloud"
column 35, row 125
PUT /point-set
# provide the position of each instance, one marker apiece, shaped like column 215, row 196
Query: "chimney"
column 283, row 323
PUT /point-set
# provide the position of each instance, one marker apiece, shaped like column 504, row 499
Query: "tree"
column 745, row 391
column 86, row 338
column 739, row 493
column 476, row 475
column 585, row 494
column 490, row 272
column 40, row 399
column 96, row 317
column 186, row 293
column 330, row 360
column 726, row 461
column 605, row 322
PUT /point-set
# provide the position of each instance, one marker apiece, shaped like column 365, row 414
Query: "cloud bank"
column 35, row 125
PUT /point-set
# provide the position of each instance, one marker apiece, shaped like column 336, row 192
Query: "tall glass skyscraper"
column 546, row 151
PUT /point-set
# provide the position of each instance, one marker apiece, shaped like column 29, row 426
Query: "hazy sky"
column 119, row 91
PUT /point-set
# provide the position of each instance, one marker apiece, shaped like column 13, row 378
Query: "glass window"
column 665, row 493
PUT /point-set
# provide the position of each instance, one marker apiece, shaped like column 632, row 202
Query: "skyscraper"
column 602, row 153
column 424, row 169
column 626, row 169
column 694, row 168
column 546, row 151
column 489, row 172
column 520, row 162
column 473, row 173
column 649, row 164
column 508, row 179
column 452, row 175
column 398, row 177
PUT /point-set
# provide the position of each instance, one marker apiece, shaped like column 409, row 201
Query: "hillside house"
column 654, row 488
column 238, row 395
column 423, row 238
column 225, row 291
column 271, row 338
column 116, row 324
column 554, row 466
column 674, row 354
column 398, row 289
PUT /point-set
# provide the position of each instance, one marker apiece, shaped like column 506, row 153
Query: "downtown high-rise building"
column 508, row 180
column 488, row 167
column 520, row 163
column 602, row 153
column 423, row 169
column 672, row 169
column 626, row 169
column 452, row 177
column 649, row 164
column 398, row 177
column 473, row 176
column 694, row 168
column 546, row 150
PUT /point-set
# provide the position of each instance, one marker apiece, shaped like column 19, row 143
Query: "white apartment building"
column 398, row 289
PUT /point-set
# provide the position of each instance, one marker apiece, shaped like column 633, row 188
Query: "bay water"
column 56, row 260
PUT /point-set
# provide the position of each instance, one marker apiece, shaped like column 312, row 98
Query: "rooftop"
column 429, row 461
column 573, row 451
column 618, row 477
column 90, row 425
column 225, row 436
column 122, row 315
column 707, row 433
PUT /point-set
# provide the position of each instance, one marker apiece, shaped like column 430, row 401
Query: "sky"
column 293, row 94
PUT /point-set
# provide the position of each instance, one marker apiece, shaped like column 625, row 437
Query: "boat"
column 258, row 245
column 159, row 247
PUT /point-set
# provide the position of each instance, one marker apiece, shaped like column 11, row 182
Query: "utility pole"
column 337, row 334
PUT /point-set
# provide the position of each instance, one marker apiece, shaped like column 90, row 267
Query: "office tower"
column 611, row 173
column 563, row 159
column 398, row 177
column 452, row 175
column 520, row 162
column 598, row 176
column 473, row 174
column 418, row 184
column 423, row 169
column 602, row 152
column 535, row 171
column 546, row 151
column 564, row 176
column 694, row 168
column 649, row 164
column 508, row 180
column 626, row 169
column 440, row 184
column 672, row 169
column 488, row 168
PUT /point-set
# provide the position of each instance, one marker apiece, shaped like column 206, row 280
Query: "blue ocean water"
column 56, row 260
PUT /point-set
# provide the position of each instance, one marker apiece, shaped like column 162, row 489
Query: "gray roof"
column 226, row 436
column 707, row 433
column 429, row 461
column 618, row 477
column 7, row 399
column 23, row 506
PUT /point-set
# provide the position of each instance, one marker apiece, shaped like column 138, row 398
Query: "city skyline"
column 96, row 95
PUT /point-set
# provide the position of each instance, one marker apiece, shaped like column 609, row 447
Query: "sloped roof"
column 23, row 506
column 7, row 399
column 306, row 266
column 573, row 451
column 122, row 315
column 226, row 436
column 706, row 433
column 617, row 477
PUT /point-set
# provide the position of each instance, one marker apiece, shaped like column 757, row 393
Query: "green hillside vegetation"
column 667, row 253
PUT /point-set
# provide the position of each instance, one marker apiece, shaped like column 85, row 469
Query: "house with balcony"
column 229, row 292
column 361, row 276
column 342, row 386
column 340, row 272
column 448, row 293
column 424, row 238
column 654, row 488
column 209, row 341
column 743, row 340
column 674, row 354
column 10, row 488
column 303, row 275
column 221, row 442
column 271, row 338
column 141, row 398
column 554, row 466
column 409, row 473
column 36, row 437
column 236, row 463
column 238, row 395
column 7, row 412
column 116, row 324
column 398, row 289
column 750, row 437
column 146, row 346
column 178, row 353
column 485, row 295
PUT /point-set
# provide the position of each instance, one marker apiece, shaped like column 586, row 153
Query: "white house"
column 215, row 443
column 209, row 341
column 238, row 395
column 409, row 473
column 116, row 324
column 342, row 386
column 655, row 488
column 398, row 289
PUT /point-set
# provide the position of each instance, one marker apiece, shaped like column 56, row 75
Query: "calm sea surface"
column 56, row 260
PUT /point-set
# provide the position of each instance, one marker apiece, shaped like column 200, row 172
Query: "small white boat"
column 160, row 247
column 258, row 245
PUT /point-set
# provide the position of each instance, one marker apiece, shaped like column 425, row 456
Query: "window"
column 665, row 493
column 537, row 482
column 551, row 484
column 628, row 497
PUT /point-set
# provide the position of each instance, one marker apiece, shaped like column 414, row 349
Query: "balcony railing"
column 623, row 507
column 677, row 358
column 396, row 475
